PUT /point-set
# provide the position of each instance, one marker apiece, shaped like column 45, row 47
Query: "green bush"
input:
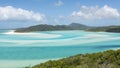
column 106, row 59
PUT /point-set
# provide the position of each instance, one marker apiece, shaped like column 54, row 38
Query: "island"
column 115, row 29
column 72, row 26
column 45, row 27
column 106, row 59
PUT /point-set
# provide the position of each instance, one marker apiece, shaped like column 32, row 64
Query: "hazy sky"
column 22, row 13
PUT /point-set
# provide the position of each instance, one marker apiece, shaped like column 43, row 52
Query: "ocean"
column 18, row 50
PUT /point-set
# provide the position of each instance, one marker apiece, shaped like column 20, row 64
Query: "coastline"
column 18, row 63
column 21, row 63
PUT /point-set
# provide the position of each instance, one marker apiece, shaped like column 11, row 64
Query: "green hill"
column 115, row 29
column 45, row 27
column 72, row 26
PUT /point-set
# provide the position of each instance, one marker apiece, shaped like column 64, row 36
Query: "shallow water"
column 22, row 49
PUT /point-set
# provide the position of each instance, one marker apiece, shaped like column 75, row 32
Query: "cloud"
column 92, row 13
column 9, row 13
column 59, row 3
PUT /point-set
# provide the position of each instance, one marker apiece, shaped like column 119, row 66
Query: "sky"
column 24, row 13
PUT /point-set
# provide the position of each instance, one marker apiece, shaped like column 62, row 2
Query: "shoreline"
column 21, row 63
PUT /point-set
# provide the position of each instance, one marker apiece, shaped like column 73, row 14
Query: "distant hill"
column 79, row 26
column 45, row 27
column 72, row 26
column 115, row 29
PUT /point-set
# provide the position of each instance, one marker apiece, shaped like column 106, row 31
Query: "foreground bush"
column 107, row 59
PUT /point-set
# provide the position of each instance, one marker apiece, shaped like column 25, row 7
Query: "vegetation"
column 45, row 27
column 72, row 26
column 115, row 29
column 106, row 59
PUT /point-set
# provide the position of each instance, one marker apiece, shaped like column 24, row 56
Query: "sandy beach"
column 19, row 63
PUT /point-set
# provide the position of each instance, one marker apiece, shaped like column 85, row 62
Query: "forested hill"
column 45, row 27
column 72, row 26
column 115, row 29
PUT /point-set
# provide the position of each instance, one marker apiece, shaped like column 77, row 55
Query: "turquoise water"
column 45, row 45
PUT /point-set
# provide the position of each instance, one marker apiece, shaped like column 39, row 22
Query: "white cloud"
column 92, row 13
column 9, row 13
column 59, row 3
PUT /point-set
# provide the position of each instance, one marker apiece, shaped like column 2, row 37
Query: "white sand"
column 30, row 34
column 19, row 63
